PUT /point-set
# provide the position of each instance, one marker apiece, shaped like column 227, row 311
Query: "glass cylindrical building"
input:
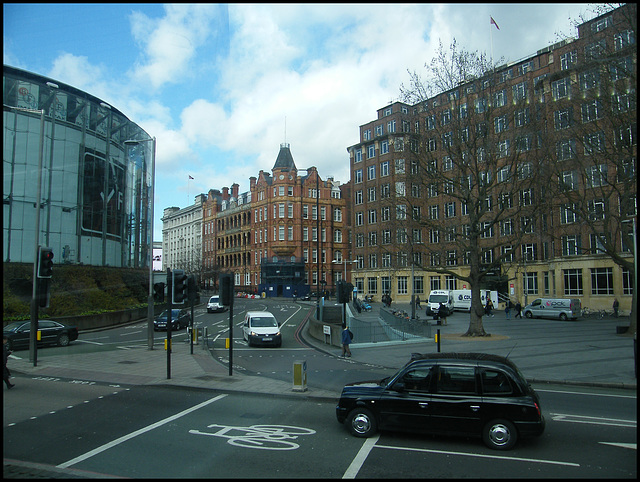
column 96, row 190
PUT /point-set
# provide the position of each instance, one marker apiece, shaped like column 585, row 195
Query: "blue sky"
column 222, row 86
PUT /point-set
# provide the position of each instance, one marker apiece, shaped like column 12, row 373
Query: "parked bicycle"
column 597, row 314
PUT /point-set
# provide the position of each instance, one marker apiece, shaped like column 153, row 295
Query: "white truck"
column 435, row 298
column 462, row 299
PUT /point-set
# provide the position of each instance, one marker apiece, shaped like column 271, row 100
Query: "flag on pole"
column 190, row 177
column 493, row 22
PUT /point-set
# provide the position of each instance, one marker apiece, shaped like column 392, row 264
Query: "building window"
column 371, row 150
column 570, row 245
column 403, row 285
column 627, row 282
column 530, row 283
column 573, row 282
column 568, row 60
column 624, row 39
column 371, row 173
column 500, row 98
column 601, row 281
column 560, row 88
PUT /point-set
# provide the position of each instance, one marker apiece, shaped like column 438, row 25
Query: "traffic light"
column 192, row 288
column 44, row 292
column 226, row 289
column 158, row 292
column 344, row 291
column 179, row 286
column 45, row 262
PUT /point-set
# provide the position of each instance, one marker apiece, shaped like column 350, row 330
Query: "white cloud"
column 170, row 43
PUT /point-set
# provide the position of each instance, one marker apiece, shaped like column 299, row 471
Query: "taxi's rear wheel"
column 361, row 422
column 500, row 435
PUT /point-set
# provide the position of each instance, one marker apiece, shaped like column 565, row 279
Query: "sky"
column 222, row 86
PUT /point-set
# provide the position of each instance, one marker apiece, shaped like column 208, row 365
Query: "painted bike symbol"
column 264, row 437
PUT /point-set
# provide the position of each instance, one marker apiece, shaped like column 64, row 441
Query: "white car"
column 214, row 305
column 261, row 328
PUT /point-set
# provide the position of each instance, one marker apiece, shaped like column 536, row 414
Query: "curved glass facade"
column 96, row 191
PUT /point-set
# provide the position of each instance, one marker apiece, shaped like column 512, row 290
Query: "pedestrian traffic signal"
column 158, row 292
column 45, row 262
column 192, row 288
column 226, row 289
column 179, row 286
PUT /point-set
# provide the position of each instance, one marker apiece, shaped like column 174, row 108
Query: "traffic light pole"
column 33, row 349
column 169, row 309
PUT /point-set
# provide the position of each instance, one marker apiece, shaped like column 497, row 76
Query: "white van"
column 561, row 308
column 462, row 299
column 261, row 328
column 214, row 305
column 435, row 298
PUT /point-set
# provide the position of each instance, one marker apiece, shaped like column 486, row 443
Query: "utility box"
column 300, row 376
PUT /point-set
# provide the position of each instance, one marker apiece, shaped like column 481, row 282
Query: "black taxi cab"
column 471, row 394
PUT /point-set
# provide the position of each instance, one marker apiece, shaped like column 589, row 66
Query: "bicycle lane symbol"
column 264, row 437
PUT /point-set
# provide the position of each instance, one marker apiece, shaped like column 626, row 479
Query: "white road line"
column 586, row 393
column 621, row 444
column 91, row 342
column 465, row 454
column 360, row 457
column 137, row 432
column 614, row 422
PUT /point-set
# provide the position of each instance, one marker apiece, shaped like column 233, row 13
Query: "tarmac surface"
column 585, row 352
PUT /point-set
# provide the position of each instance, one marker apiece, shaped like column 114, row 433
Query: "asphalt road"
column 167, row 432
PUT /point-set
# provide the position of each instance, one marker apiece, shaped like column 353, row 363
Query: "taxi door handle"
column 475, row 408
column 423, row 404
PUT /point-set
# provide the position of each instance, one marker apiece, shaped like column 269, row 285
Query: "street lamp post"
column 134, row 142
column 319, row 254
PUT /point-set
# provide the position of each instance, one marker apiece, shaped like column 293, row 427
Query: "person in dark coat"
column 5, row 356
column 346, row 341
column 518, row 310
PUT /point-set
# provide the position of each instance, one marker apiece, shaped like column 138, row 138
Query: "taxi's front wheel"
column 361, row 422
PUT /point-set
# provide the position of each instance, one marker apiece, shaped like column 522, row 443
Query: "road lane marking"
column 483, row 456
column 131, row 435
column 586, row 393
column 361, row 456
column 621, row 444
column 613, row 422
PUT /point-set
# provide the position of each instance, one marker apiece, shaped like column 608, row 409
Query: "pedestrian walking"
column 489, row 307
column 616, row 306
column 518, row 310
column 442, row 314
column 295, row 296
column 5, row 356
column 507, row 309
column 347, row 336
column 418, row 302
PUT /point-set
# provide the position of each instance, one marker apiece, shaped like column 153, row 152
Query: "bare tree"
column 475, row 170
column 596, row 143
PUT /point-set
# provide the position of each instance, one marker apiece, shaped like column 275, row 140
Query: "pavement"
column 580, row 353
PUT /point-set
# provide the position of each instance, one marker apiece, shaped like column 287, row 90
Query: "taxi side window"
column 459, row 380
column 418, row 379
column 495, row 382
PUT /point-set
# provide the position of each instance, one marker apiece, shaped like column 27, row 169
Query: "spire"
column 285, row 159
